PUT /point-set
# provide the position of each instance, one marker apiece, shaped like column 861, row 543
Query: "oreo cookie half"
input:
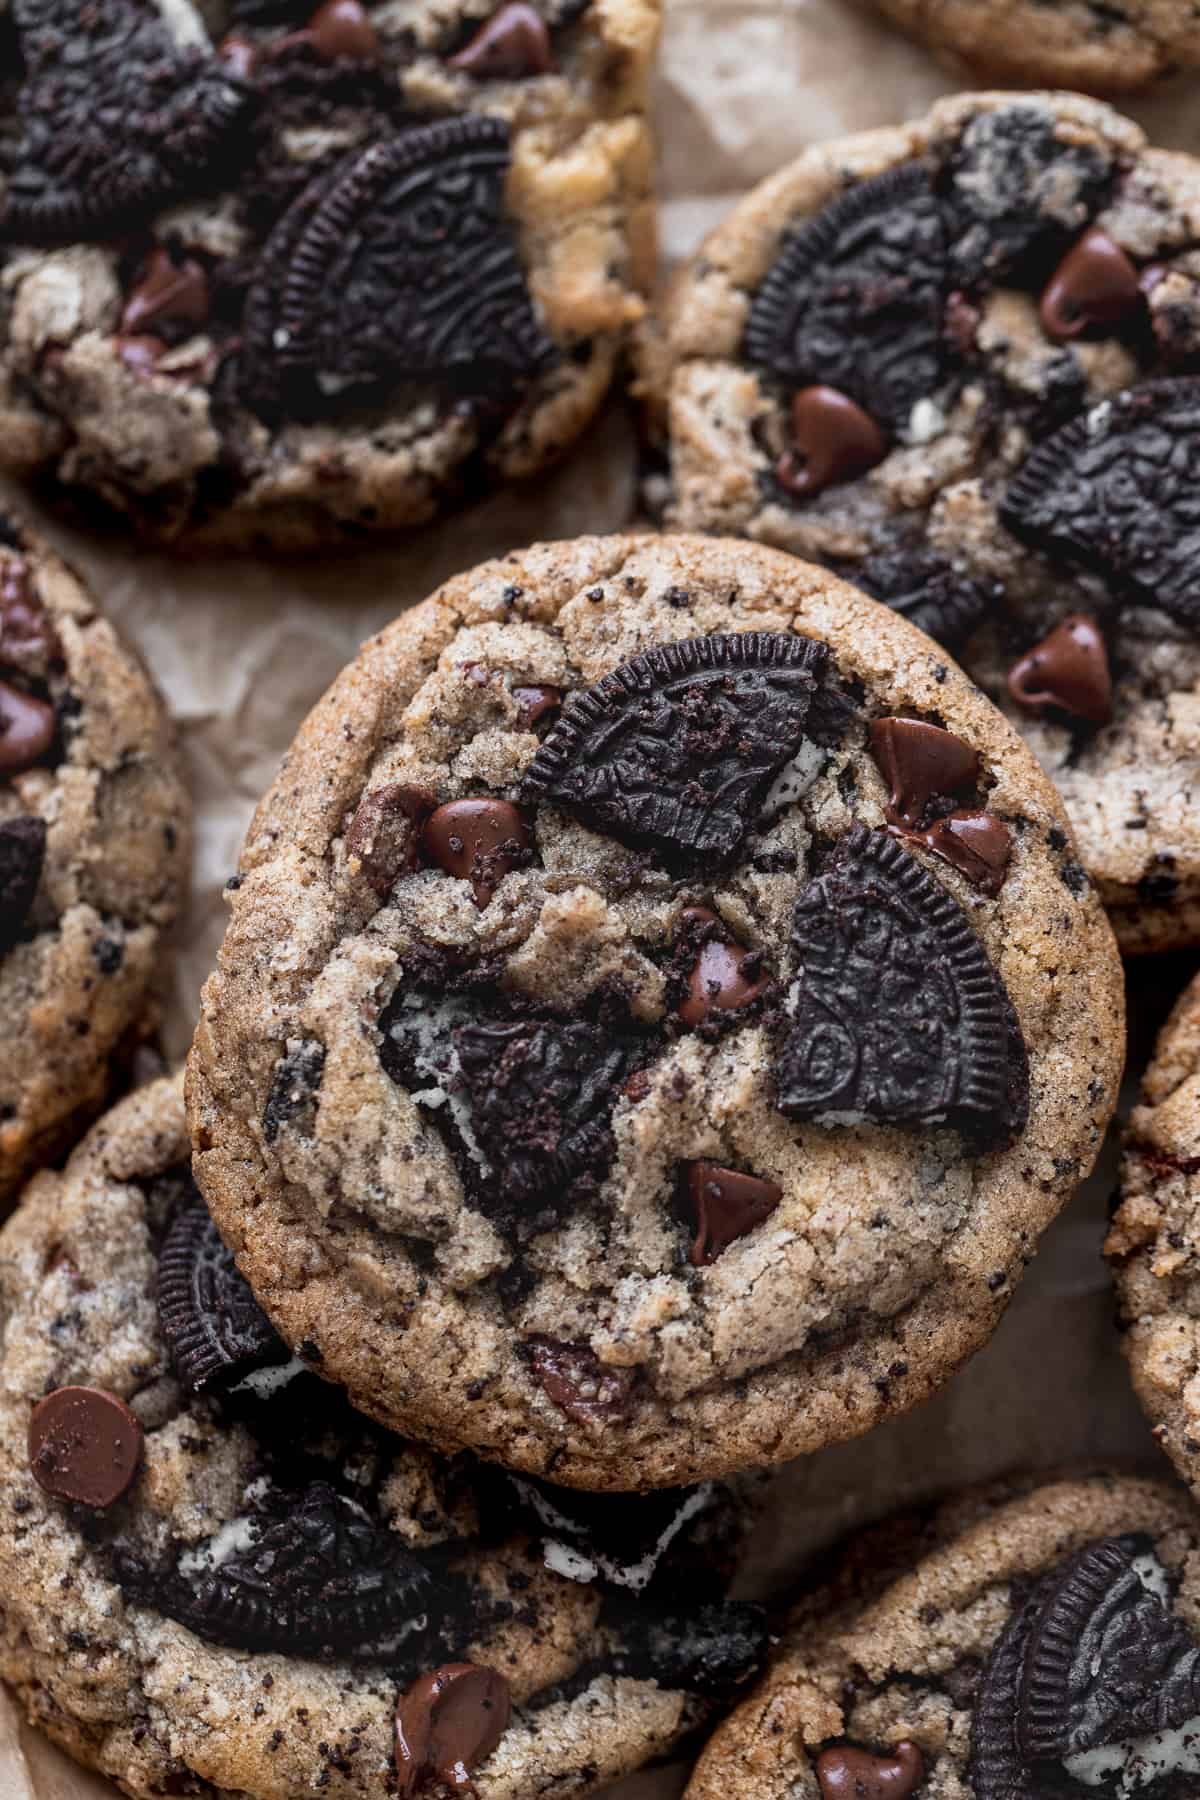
column 215, row 1330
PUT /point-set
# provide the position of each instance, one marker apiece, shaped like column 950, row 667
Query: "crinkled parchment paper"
column 243, row 649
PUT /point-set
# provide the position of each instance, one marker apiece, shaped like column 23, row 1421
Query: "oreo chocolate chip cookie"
column 94, row 834
column 560, row 1130
column 281, row 274
column 965, row 379
column 313, row 1604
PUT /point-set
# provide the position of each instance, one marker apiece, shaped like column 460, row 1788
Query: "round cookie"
column 94, row 850
column 219, row 1580
column 1088, row 44
column 953, row 361
column 344, row 264
column 1152, row 1243
column 660, row 1010
column 1040, row 1642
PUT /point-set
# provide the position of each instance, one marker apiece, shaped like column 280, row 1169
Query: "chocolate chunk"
column 930, row 593
column 22, row 853
column 536, row 703
column 1116, row 491
column 449, row 1722
column 338, row 28
column 724, row 1205
column 116, row 121
column 1105, row 1660
column 27, row 729
column 898, row 1015
column 977, row 844
column 832, row 440
column 84, row 1445
column 295, row 1086
column 479, row 840
column 920, row 763
column 510, row 45
column 578, row 1383
column 724, row 977
column 712, row 1650
column 215, row 1330
column 997, row 1769
column 1067, row 670
column 401, row 265
column 1095, row 286
column 855, row 296
column 846, row 1773
column 384, row 836
column 675, row 748
column 28, row 640
column 171, row 295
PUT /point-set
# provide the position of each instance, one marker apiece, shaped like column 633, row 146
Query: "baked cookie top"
column 955, row 362
column 340, row 263
column 1152, row 1244
column 1047, row 1643
column 218, row 1579
column 660, row 1009
column 94, row 845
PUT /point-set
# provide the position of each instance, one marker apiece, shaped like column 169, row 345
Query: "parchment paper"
column 243, row 649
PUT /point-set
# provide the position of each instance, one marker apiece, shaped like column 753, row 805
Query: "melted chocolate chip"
column 22, row 854
column 578, row 1383
column 84, row 1445
column 847, row 1773
column 510, row 45
column 214, row 1328
column 724, row 978
column 1094, row 286
column 478, row 840
column 27, row 729
column 536, row 704
column 383, row 838
column 449, row 1722
column 977, row 844
column 724, row 1205
column 171, row 291
column 338, row 28
column 1067, row 670
column 920, row 762
column 832, row 440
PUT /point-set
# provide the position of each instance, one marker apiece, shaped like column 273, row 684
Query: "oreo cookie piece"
column 22, row 854
column 620, row 1538
column 116, row 121
column 855, row 298
column 944, row 601
column 400, row 264
column 711, row 1651
column 1116, row 490
column 897, row 1013
column 307, row 1574
column 214, row 1328
column 997, row 1768
column 674, row 749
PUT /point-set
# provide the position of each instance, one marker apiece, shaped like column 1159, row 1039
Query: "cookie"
column 954, row 362
column 94, row 841
column 661, row 1007
column 344, row 264
column 1042, row 1641
column 218, row 1579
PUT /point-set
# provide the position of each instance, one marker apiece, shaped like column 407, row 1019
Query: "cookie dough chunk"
column 1041, row 1642
column 1154, row 1242
column 94, row 839
column 1090, row 44
column 219, row 1580
column 343, row 264
column 659, row 1013
column 955, row 362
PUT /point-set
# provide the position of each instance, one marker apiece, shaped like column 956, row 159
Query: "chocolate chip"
column 832, row 440
column 977, row 844
column 84, row 1445
column 22, row 854
column 512, row 44
column 449, row 1722
column 724, row 1204
column 1115, row 490
column 337, row 28
column 674, row 749
column 478, row 840
column 578, row 1383
column 116, row 120
column 854, row 298
column 847, row 1773
column 1067, row 670
column 172, row 291
column 898, row 1014
column 920, row 763
column 535, row 704
column 383, row 838
column 934, row 595
column 724, row 978
column 1095, row 285
column 401, row 264
column 27, row 729
column 215, row 1330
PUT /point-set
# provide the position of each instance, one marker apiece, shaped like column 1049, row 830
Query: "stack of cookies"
column 674, row 978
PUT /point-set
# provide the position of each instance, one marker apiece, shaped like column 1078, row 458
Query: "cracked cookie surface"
column 954, row 362
column 94, row 844
column 672, row 1073
column 242, row 1610
column 355, row 262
